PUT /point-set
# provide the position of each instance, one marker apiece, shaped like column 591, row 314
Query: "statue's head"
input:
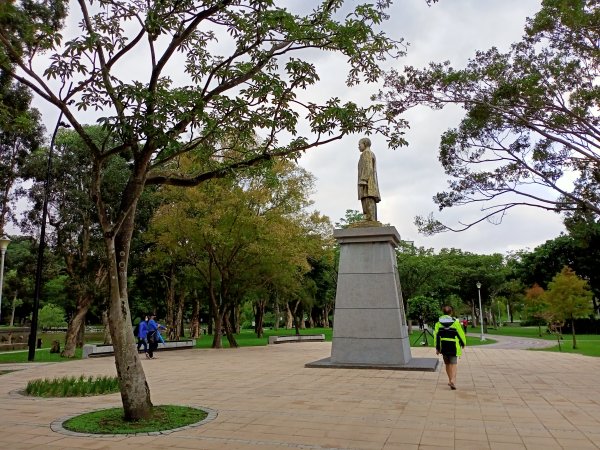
column 364, row 143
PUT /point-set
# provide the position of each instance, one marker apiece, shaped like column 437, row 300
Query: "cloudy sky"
column 409, row 177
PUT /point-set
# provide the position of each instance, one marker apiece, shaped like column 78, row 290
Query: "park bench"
column 95, row 350
column 14, row 338
column 296, row 338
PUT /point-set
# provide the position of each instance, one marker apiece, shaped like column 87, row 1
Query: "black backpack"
column 136, row 330
column 446, row 339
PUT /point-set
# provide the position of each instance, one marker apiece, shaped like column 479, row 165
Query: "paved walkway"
column 515, row 343
column 266, row 399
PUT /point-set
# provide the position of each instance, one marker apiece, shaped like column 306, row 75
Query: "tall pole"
column 480, row 310
column 40, row 255
column 498, row 301
column 3, row 246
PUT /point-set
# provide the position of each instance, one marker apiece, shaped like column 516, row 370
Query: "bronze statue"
column 368, row 188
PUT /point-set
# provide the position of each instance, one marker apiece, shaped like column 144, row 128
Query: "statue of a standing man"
column 368, row 188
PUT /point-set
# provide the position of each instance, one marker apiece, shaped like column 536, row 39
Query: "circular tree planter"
column 110, row 422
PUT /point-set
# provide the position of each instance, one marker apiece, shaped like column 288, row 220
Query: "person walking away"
column 142, row 333
column 153, row 336
column 449, row 340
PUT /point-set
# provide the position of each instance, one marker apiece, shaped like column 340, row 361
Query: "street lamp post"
column 40, row 255
column 3, row 246
column 480, row 310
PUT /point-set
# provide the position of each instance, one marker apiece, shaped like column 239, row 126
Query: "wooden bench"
column 296, row 338
column 95, row 350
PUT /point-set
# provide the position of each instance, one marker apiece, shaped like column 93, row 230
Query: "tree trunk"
column 289, row 318
column 76, row 324
column 107, row 336
column 179, row 316
column 217, row 318
column 296, row 313
column 229, row 329
column 573, row 333
column 81, row 334
column 14, row 306
column 171, row 323
column 217, row 330
column 277, row 314
column 326, row 311
column 211, row 323
column 237, row 315
column 135, row 392
column 259, row 314
column 195, row 322
column 311, row 320
column 475, row 317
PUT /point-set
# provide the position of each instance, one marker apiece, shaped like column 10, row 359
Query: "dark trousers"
column 152, row 348
column 142, row 342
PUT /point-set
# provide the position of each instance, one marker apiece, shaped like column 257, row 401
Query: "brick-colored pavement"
column 266, row 399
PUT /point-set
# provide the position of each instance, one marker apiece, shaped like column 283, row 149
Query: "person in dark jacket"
column 153, row 336
column 142, row 333
column 449, row 340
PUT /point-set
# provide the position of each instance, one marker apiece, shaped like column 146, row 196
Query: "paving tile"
column 507, row 399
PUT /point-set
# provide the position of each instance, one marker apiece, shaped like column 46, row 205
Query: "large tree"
column 531, row 122
column 568, row 298
column 21, row 133
column 579, row 249
column 75, row 234
column 241, row 235
column 241, row 69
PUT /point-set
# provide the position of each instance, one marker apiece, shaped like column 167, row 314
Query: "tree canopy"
column 531, row 123
column 568, row 297
column 241, row 99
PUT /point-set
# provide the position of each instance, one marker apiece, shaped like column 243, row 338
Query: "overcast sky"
column 409, row 177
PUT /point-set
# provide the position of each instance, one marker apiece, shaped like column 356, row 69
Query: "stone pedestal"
column 369, row 326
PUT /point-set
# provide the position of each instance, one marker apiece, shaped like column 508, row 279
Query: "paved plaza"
column 266, row 399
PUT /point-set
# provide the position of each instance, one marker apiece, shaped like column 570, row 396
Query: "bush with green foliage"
column 51, row 316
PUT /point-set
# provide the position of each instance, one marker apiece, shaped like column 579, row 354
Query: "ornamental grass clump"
column 72, row 386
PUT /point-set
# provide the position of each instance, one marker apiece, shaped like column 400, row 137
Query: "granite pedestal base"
column 417, row 364
column 369, row 325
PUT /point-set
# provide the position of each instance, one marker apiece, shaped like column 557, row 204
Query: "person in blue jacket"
column 142, row 333
column 154, row 336
column 449, row 340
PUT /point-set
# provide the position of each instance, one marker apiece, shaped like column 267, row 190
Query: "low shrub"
column 72, row 386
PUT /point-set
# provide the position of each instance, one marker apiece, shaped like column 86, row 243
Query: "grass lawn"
column 43, row 354
column 111, row 421
column 247, row 338
column 587, row 344
column 517, row 331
